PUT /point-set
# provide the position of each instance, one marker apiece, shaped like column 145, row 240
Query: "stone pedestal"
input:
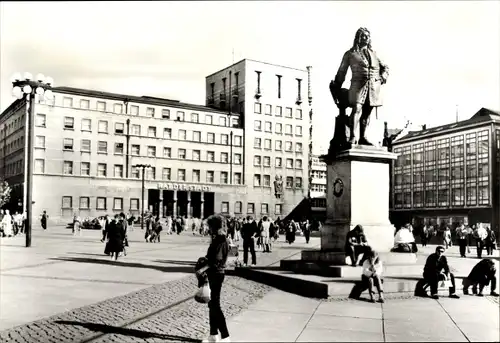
column 357, row 193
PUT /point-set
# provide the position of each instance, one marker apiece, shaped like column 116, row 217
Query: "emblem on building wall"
column 278, row 186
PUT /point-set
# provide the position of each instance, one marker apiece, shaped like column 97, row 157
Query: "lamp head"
column 28, row 76
column 16, row 77
column 40, row 78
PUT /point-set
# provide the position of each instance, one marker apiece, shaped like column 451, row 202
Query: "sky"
column 442, row 56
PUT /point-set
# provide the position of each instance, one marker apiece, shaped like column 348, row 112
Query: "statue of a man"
column 368, row 74
column 278, row 186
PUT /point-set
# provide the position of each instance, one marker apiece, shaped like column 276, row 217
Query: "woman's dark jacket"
column 217, row 254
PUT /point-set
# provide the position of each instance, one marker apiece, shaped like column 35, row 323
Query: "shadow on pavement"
column 183, row 263
column 122, row 263
column 85, row 254
column 277, row 268
column 107, row 329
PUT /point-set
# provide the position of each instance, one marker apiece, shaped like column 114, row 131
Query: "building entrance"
column 165, row 203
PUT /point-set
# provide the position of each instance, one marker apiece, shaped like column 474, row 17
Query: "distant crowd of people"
column 480, row 236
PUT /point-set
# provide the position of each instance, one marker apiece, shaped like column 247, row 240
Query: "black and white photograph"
column 249, row 171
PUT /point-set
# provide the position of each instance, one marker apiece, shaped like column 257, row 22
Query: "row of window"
column 135, row 150
column 318, row 174
column 101, row 204
column 278, row 111
column 166, row 175
column 443, row 173
column 278, row 128
column 474, row 144
column 151, row 150
column 119, row 129
column 12, row 146
column 151, row 112
column 318, row 188
column 151, row 173
column 14, row 168
column 238, row 208
column 11, row 126
column 278, row 145
column 265, row 181
column 458, row 195
column 265, row 161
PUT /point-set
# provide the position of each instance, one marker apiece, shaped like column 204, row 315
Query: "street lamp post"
column 143, row 167
column 26, row 86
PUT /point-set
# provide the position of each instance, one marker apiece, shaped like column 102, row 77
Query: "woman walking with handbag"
column 216, row 259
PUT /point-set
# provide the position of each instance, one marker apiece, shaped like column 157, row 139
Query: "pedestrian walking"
column 116, row 236
column 490, row 241
column 306, row 229
column 264, row 234
column 249, row 233
column 217, row 254
column 43, row 220
column 7, row 224
column 462, row 238
column 480, row 235
column 447, row 237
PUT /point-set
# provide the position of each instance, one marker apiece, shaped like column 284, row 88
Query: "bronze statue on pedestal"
column 368, row 74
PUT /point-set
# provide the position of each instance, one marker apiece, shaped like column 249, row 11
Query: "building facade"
column 449, row 173
column 318, row 188
column 87, row 145
column 273, row 106
column 204, row 159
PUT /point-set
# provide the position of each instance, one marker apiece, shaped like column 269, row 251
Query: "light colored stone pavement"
column 61, row 272
column 136, row 299
column 284, row 317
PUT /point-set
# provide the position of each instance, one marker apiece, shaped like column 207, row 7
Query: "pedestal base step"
column 316, row 286
column 346, row 271
column 339, row 257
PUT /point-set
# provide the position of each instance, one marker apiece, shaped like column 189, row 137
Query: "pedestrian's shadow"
column 124, row 263
column 108, row 329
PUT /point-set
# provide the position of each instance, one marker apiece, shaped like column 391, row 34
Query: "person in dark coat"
column 217, row 254
column 248, row 233
column 43, row 220
column 481, row 275
column 490, row 241
column 436, row 269
column 356, row 244
column 291, row 230
column 115, row 236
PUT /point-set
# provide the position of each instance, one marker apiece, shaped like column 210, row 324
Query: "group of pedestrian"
column 11, row 225
column 114, row 233
column 481, row 236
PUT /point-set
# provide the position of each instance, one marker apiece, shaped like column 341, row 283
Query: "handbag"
column 445, row 284
column 203, row 294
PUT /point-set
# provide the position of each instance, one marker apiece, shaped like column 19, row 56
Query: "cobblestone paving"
column 189, row 321
column 185, row 319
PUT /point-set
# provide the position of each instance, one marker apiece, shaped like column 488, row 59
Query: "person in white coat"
column 7, row 227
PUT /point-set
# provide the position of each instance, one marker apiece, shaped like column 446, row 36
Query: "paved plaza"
column 63, row 289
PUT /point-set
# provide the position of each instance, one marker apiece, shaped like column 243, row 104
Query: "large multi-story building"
column 272, row 102
column 449, row 173
column 204, row 159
